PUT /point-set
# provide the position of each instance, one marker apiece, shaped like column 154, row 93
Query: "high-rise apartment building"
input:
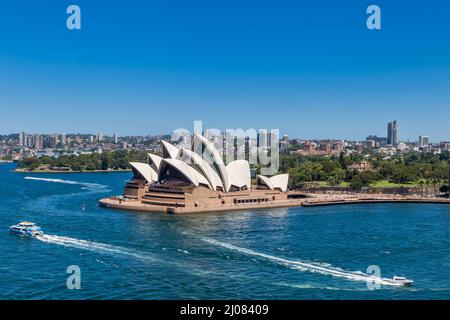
column 392, row 133
column 22, row 139
column 37, row 141
column 424, row 140
column 267, row 138
column 263, row 138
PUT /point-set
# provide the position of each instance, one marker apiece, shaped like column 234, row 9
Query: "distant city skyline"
column 312, row 70
column 391, row 135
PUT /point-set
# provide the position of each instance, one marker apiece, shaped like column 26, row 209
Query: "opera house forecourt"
column 197, row 180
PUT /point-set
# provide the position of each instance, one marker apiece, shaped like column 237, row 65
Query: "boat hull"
column 25, row 233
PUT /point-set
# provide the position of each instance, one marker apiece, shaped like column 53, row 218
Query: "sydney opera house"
column 196, row 179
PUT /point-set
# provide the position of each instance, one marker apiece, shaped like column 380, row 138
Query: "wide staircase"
column 164, row 199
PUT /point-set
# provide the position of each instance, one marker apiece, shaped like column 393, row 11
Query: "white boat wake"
column 94, row 246
column 89, row 185
column 107, row 249
column 306, row 266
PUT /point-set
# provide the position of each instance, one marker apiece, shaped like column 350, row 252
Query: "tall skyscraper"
column 115, row 138
column 63, row 139
column 22, row 139
column 392, row 133
column 273, row 139
column 29, row 142
column 424, row 140
column 263, row 138
column 37, row 141
column 54, row 140
column 284, row 144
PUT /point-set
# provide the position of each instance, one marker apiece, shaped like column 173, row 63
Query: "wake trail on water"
column 94, row 246
column 305, row 266
column 89, row 185
column 112, row 250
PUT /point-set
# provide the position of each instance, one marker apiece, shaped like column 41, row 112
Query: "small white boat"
column 27, row 229
column 402, row 281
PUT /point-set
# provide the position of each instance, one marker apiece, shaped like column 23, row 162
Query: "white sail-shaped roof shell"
column 279, row 181
column 263, row 180
column 202, row 166
column 154, row 161
column 169, row 149
column 187, row 171
column 194, row 159
column 239, row 174
column 217, row 161
column 145, row 170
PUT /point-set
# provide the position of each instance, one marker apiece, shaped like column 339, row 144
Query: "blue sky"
column 310, row 68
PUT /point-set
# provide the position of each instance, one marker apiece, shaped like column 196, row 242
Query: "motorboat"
column 402, row 281
column 27, row 229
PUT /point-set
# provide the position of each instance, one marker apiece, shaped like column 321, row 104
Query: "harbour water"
column 295, row 253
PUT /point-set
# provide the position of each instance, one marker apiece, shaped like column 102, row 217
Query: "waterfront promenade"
column 304, row 199
column 358, row 198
